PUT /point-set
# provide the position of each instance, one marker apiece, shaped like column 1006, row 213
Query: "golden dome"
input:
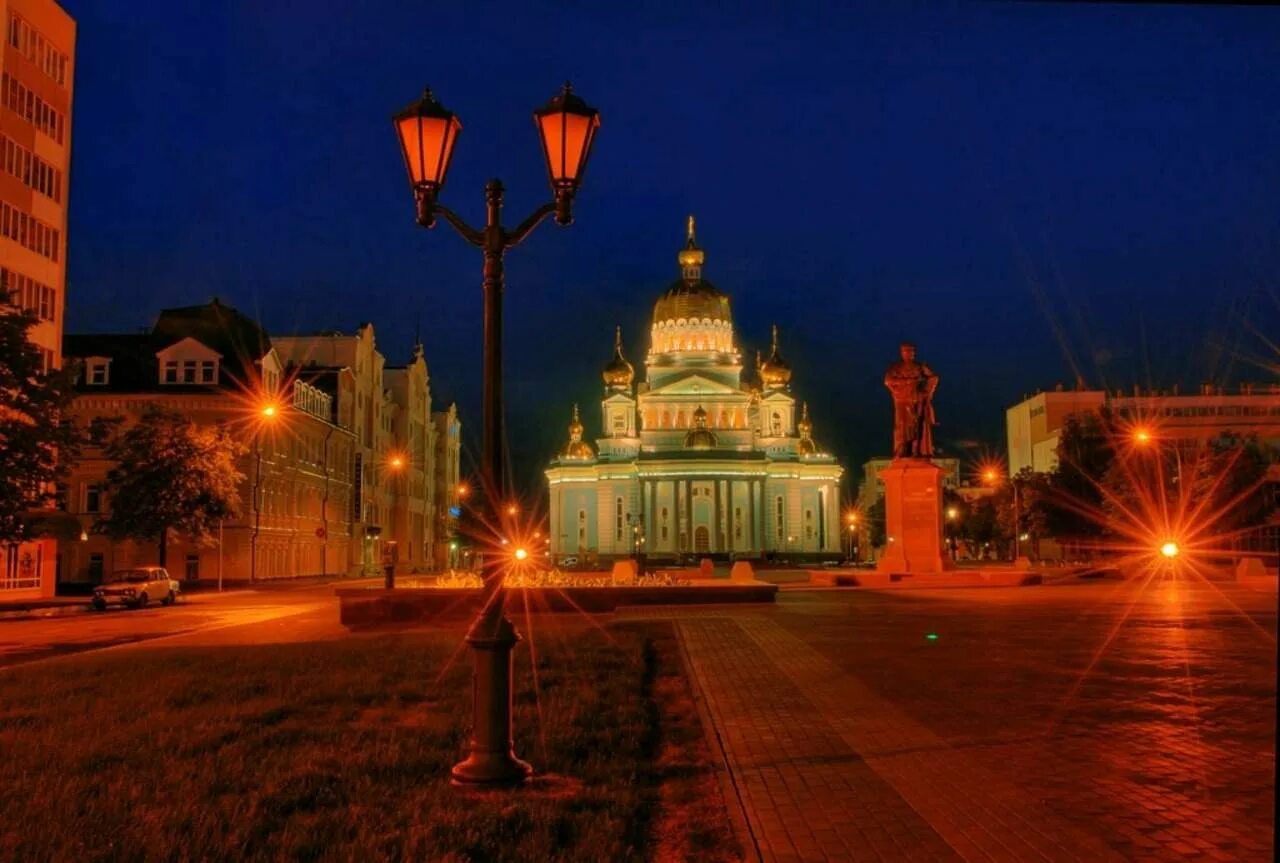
column 691, row 256
column 774, row 372
column 577, row 449
column 692, row 298
column 700, row 437
column 618, row 373
column 805, row 427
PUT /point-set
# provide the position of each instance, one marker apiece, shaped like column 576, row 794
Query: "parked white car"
column 137, row 587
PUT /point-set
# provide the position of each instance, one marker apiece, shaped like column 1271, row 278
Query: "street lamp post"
column 428, row 132
column 267, row 414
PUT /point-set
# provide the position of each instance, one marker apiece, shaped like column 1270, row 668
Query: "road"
column 242, row 616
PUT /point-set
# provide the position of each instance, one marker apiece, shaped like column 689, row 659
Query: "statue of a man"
column 912, row 385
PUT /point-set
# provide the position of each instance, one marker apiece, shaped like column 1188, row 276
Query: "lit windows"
column 98, row 374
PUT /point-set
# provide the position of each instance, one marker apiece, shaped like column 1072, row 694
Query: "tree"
column 170, row 474
column 1031, row 515
column 36, row 441
column 875, row 523
column 1073, row 496
column 1232, row 475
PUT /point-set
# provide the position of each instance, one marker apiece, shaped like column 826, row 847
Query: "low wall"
column 376, row 606
column 876, row 580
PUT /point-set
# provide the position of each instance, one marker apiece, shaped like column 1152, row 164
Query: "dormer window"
column 97, row 371
column 171, row 372
column 188, row 362
column 208, row 371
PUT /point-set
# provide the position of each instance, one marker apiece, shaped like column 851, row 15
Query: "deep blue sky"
column 1027, row 191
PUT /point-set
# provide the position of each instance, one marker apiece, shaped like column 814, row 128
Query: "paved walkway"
column 1098, row 723
column 827, row 770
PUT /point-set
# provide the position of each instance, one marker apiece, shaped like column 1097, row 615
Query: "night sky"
column 1030, row 192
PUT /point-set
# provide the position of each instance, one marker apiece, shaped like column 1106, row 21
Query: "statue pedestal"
column 913, row 518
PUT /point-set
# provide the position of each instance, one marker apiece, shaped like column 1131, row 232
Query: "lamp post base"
column 492, row 761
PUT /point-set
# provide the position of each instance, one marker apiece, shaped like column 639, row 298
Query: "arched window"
column 775, row 424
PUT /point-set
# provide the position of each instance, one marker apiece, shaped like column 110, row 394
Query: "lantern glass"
column 427, row 134
column 568, row 128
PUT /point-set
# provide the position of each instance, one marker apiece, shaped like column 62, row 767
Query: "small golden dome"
column 774, row 372
column 577, row 449
column 805, row 427
column 619, row 373
column 691, row 257
column 700, row 437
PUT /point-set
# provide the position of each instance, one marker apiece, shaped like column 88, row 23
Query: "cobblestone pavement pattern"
column 1125, row 721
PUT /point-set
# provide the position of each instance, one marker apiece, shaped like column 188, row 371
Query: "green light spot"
column 933, row 636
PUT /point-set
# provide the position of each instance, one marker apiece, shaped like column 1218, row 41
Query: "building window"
column 92, row 498
column 34, row 172
column 33, row 45
column 779, row 518
column 171, row 372
column 808, row 524
column 664, row 522
column 191, row 567
column 60, row 497
column 95, row 568
column 776, row 424
column 30, row 107
column 29, row 231
column 617, row 518
column 208, row 371
column 188, row 371
column 737, row 522
column 98, row 373
column 582, row 529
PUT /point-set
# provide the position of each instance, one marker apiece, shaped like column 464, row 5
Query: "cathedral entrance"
column 701, row 540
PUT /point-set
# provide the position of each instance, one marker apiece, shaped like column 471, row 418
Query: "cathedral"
column 695, row 460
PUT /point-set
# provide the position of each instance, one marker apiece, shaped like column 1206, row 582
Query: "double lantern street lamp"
column 428, row 133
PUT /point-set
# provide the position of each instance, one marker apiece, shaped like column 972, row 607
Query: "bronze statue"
column 912, row 385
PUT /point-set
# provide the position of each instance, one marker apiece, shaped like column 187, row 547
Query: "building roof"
column 239, row 341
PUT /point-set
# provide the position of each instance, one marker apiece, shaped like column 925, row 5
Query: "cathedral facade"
column 695, row 459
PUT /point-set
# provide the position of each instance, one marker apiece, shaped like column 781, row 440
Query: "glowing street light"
column 952, row 513
column 427, row 133
column 521, row 554
column 269, row 414
column 1169, row 549
column 1141, row 436
column 512, row 509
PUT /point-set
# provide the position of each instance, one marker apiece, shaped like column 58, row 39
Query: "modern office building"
column 1035, row 424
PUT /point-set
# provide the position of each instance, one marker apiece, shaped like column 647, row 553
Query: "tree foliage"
column 170, row 474
column 1074, row 493
column 874, row 515
column 36, row 442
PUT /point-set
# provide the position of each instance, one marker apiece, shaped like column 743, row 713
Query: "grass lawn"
column 341, row 751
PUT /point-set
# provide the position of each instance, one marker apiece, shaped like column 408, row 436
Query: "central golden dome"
column 691, row 298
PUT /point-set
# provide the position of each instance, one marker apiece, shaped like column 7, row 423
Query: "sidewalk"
column 826, row 770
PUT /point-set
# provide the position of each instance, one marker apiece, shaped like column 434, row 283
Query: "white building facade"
column 694, row 460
